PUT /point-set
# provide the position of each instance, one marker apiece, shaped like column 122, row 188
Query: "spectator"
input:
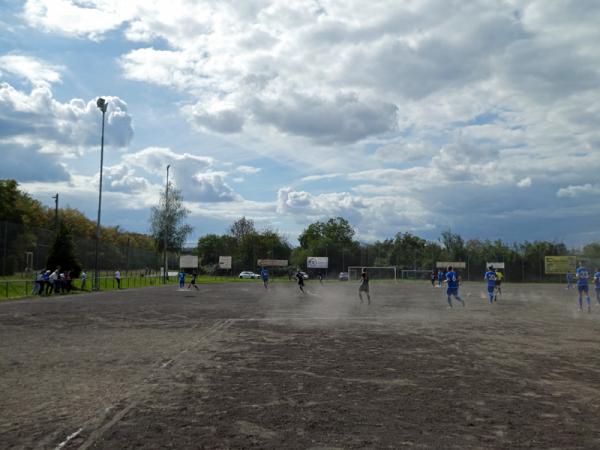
column 118, row 278
column 83, row 279
column 39, row 283
column 52, row 282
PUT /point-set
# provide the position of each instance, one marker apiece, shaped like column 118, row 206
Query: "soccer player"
column 569, row 280
column 453, row 281
column 597, row 284
column 364, row 286
column 499, row 277
column 181, row 279
column 490, row 277
column 441, row 277
column 300, row 279
column 433, row 277
column 582, row 276
column 193, row 282
column 264, row 274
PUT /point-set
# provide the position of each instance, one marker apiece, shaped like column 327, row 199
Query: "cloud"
column 37, row 117
column 524, row 183
column 26, row 163
column 584, row 190
column 36, row 71
column 248, row 170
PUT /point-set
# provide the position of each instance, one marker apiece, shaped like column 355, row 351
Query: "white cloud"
column 248, row 170
column 36, row 71
column 578, row 191
column 524, row 183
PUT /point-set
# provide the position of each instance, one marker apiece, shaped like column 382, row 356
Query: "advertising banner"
column 497, row 265
column 188, row 262
column 454, row 264
column 272, row 262
column 224, row 262
column 317, row 262
column 560, row 264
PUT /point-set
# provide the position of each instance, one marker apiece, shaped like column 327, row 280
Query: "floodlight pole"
column 101, row 104
column 55, row 197
column 165, row 225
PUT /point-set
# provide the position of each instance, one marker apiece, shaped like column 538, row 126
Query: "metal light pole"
column 55, row 197
column 101, row 104
column 165, row 275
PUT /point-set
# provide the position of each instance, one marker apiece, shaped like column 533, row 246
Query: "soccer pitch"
column 237, row 366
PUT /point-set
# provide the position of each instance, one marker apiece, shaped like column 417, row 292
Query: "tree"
column 242, row 228
column 167, row 219
column 62, row 253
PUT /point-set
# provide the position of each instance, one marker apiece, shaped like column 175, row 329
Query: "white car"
column 248, row 274
column 304, row 275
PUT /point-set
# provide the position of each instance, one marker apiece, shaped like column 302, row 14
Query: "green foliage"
column 62, row 253
column 167, row 221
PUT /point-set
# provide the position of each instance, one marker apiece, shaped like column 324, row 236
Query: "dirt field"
column 236, row 366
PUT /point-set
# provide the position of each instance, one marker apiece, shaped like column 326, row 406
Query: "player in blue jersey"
column 582, row 276
column 597, row 284
column 181, row 279
column 569, row 280
column 490, row 277
column 264, row 275
column 453, row 281
column 441, row 277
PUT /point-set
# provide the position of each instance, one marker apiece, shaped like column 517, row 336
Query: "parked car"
column 343, row 276
column 249, row 275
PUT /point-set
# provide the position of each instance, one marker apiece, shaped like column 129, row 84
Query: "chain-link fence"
column 24, row 250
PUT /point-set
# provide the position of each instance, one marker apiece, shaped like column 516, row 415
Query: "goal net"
column 415, row 274
column 375, row 273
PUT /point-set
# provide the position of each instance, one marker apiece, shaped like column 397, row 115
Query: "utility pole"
column 165, row 275
column 55, row 197
column 102, row 106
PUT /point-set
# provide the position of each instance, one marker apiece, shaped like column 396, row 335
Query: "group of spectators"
column 49, row 282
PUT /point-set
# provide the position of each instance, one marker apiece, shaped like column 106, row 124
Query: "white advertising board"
column 454, row 264
column 224, row 262
column 497, row 265
column 188, row 262
column 317, row 262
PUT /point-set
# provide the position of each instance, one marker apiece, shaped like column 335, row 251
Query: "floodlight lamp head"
column 101, row 104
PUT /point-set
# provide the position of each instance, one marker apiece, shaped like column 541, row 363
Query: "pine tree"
column 63, row 253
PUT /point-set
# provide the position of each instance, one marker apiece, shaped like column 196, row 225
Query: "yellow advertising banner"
column 560, row 264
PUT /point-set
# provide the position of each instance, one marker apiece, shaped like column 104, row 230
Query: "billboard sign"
column 188, row 262
column 560, row 264
column 497, row 265
column 454, row 264
column 224, row 262
column 317, row 262
column 272, row 262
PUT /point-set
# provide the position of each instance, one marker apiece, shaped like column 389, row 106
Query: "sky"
column 479, row 117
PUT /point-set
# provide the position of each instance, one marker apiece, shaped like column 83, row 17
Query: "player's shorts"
column 452, row 291
column 498, row 282
column 491, row 288
column 583, row 288
column 363, row 288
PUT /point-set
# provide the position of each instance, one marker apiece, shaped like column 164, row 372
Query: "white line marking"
column 69, row 437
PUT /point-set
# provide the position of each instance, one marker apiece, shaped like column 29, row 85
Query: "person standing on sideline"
column 83, row 279
column 264, row 275
column 569, row 280
column 320, row 278
column 452, row 290
column 300, row 279
column 193, row 282
column 582, row 276
column 597, row 284
column 118, row 278
column 181, row 279
column 52, row 283
column 490, row 277
column 433, row 277
column 364, row 286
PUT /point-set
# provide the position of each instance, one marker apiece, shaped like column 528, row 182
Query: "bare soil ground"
column 238, row 366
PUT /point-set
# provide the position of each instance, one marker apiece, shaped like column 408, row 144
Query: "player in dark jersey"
column 300, row 279
column 364, row 286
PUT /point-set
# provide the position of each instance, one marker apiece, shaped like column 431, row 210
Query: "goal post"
column 375, row 273
column 415, row 274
